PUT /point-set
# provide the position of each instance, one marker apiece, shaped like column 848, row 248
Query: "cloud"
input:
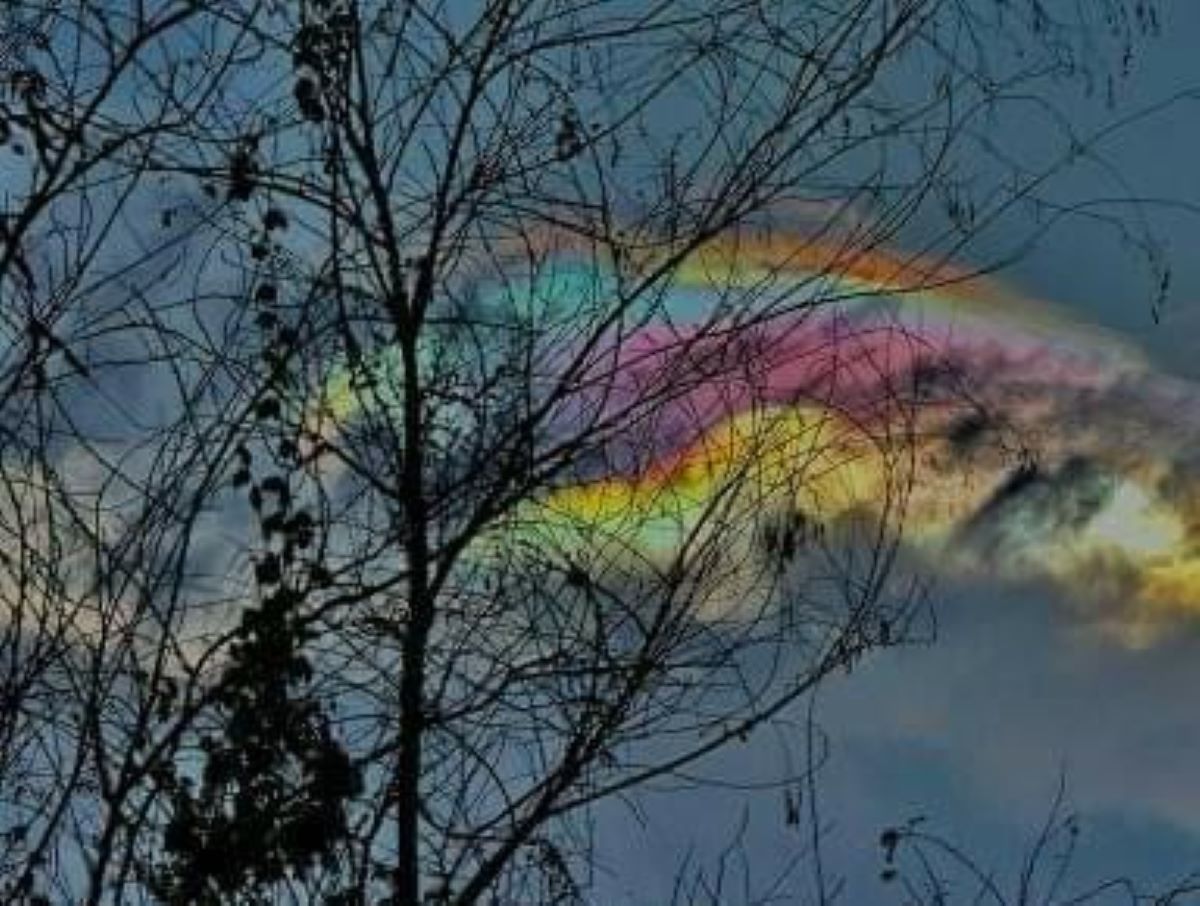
column 991, row 433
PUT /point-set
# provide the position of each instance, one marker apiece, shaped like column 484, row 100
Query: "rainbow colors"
column 988, row 432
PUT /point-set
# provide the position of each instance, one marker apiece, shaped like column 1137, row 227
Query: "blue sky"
column 974, row 731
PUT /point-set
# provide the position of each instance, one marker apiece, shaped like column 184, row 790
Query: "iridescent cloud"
column 996, row 435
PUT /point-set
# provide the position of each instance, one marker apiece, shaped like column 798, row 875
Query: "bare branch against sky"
column 428, row 423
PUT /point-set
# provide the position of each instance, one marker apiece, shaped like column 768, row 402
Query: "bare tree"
column 315, row 618
column 102, row 494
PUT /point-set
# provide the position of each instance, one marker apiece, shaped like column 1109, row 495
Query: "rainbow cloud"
column 991, row 433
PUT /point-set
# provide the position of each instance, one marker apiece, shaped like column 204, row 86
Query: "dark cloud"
column 1033, row 506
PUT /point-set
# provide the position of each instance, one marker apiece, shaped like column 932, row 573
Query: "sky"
column 1021, row 688
column 975, row 731
column 1024, row 687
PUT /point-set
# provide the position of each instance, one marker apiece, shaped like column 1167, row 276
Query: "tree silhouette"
column 312, row 309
